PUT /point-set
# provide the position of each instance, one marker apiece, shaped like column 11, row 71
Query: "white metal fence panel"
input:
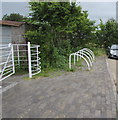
column 33, row 59
column 13, row 56
column 28, row 54
column 6, row 61
column 20, row 55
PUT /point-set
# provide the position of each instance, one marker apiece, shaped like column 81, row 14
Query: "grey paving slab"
column 80, row 94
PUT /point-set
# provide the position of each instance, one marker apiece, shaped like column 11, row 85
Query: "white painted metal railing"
column 6, row 61
column 31, row 55
column 33, row 59
column 86, row 54
column 12, row 55
column 20, row 52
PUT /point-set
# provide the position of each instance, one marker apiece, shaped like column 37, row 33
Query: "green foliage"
column 47, row 72
column 107, row 33
column 62, row 28
column 21, row 70
column 22, row 66
column 14, row 17
column 99, row 51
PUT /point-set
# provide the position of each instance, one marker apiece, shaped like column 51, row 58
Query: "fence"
column 6, row 61
column 86, row 54
column 34, row 60
column 17, row 55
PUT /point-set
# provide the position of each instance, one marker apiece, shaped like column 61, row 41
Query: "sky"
column 15, row 7
column 96, row 10
column 100, row 10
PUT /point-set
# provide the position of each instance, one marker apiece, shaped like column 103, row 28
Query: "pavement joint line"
column 8, row 87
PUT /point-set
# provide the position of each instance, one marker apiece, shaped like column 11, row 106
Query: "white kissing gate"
column 12, row 55
column 86, row 54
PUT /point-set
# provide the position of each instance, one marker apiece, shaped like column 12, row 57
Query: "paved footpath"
column 81, row 94
column 113, row 70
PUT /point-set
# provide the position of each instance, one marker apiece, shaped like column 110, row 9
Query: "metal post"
column 12, row 51
column 29, row 60
column 80, row 54
column 74, row 58
column 37, row 57
column 70, row 61
column 18, row 55
column 77, row 57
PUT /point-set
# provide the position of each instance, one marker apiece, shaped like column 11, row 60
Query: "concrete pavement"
column 113, row 67
column 113, row 70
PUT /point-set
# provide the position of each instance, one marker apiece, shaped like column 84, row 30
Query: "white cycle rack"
column 86, row 54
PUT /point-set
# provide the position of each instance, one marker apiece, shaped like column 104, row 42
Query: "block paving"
column 80, row 94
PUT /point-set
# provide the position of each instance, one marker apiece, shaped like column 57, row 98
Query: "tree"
column 62, row 28
column 14, row 17
column 108, row 33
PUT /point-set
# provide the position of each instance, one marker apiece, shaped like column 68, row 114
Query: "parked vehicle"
column 113, row 51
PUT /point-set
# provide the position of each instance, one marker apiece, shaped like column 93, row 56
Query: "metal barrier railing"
column 20, row 54
column 13, row 55
column 86, row 54
column 31, row 56
column 34, row 60
column 6, row 61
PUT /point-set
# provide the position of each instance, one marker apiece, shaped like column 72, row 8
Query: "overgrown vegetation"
column 107, row 34
column 14, row 17
column 62, row 28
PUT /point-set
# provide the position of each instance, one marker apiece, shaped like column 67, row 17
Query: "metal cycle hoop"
column 88, row 57
column 86, row 54
column 87, row 49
